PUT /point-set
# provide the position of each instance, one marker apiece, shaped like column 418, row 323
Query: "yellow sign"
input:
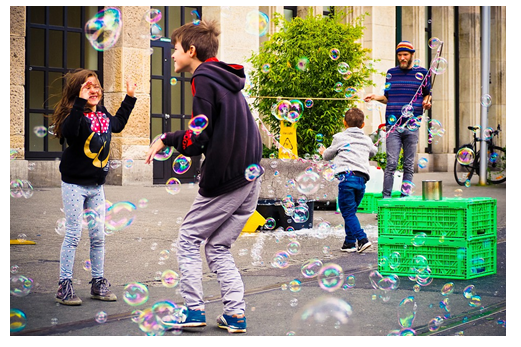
column 288, row 140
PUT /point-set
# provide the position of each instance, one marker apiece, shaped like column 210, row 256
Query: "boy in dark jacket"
column 226, row 199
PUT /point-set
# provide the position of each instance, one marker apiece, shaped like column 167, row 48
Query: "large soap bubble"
column 104, row 28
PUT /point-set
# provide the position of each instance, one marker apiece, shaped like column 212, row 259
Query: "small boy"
column 350, row 151
column 226, row 199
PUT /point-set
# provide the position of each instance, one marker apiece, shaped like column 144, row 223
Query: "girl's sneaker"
column 234, row 323
column 100, row 290
column 66, row 295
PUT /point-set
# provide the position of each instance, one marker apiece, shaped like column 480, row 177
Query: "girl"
column 87, row 126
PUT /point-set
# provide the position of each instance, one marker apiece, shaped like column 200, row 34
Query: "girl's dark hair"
column 354, row 117
column 203, row 36
column 73, row 81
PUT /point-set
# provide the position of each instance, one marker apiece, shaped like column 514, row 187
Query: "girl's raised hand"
column 84, row 90
column 131, row 88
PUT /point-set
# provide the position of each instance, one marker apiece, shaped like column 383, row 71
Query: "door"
column 170, row 93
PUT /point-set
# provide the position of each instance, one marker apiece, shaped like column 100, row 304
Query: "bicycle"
column 468, row 160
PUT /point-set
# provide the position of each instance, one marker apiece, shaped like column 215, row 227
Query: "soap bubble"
column 486, row 100
column 101, row 317
column 198, row 123
column 40, row 131
column 438, row 65
column 320, row 315
column 181, row 164
column 407, row 187
column 407, row 312
column 434, row 42
column 343, row 68
column 294, row 286
column 331, row 277
column 18, row 320
column 422, row 163
column 153, row 15
column 266, row 68
column 448, row 288
column 334, row 53
column 435, row 323
column 280, row 260
column 170, row 278
column 311, row 268
column 135, row 294
column 465, row 156
column 20, row 285
column 252, row 172
column 309, row 103
column 407, row 110
column 302, row 64
column 282, row 108
column 104, row 28
column 301, row 214
column 173, row 81
column 419, row 76
column 196, row 19
column 338, row 87
column 173, row 186
column 270, row 223
column 163, row 154
column 257, row 23
column 469, row 291
column 119, row 216
column 308, row 182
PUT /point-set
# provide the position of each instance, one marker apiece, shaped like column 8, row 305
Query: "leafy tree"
column 296, row 63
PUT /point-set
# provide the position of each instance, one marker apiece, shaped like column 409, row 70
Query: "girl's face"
column 94, row 92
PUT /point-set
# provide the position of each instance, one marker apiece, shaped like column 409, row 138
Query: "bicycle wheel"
column 463, row 172
column 496, row 165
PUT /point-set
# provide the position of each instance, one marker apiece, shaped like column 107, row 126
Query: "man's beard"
column 406, row 64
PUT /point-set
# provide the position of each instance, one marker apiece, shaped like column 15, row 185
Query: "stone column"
column 470, row 70
column 18, row 166
column 129, row 59
column 443, row 107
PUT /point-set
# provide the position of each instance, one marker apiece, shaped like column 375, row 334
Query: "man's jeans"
column 395, row 140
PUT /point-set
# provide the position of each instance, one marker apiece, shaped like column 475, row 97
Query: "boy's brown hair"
column 203, row 36
column 354, row 117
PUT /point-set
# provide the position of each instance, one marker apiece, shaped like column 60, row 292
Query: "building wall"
column 130, row 58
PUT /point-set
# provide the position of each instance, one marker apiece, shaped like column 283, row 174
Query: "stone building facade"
column 456, row 97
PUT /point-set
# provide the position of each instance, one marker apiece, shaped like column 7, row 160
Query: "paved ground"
column 145, row 249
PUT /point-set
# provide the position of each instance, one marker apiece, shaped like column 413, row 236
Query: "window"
column 55, row 44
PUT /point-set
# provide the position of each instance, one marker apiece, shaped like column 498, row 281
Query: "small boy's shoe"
column 363, row 245
column 234, row 323
column 100, row 290
column 193, row 318
column 66, row 295
column 348, row 247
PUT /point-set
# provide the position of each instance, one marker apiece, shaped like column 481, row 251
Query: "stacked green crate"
column 452, row 238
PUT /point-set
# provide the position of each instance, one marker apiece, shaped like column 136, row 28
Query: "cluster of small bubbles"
column 256, row 251
column 257, row 23
column 135, row 294
column 18, row 320
column 21, row 188
column 119, row 216
column 104, row 28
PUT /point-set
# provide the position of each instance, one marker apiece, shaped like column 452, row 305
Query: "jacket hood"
column 230, row 76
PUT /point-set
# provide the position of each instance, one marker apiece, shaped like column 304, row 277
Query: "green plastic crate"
column 369, row 203
column 465, row 218
column 452, row 258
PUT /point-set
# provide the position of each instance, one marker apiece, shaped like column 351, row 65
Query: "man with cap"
column 406, row 94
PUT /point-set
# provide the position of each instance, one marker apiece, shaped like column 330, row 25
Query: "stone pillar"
column 129, row 59
column 443, row 106
column 497, row 111
column 470, row 70
column 18, row 166
column 380, row 21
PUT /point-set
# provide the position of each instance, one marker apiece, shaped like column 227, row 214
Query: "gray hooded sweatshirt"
column 350, row 151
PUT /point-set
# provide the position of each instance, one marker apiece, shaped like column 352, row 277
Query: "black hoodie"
column 88, row 134
column 231, row 142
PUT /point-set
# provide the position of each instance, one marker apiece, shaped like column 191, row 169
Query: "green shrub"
column 310, row 40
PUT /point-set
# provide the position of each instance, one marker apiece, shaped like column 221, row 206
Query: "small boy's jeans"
column 350, row 193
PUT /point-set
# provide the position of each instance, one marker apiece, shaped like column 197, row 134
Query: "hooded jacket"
column 88, row 134
column 231, row 141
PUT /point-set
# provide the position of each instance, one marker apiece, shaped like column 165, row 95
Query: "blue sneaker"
column 193, row 318
column 234, row 323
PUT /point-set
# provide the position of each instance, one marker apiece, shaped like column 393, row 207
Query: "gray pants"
column 218, row 221
column 395, row 141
